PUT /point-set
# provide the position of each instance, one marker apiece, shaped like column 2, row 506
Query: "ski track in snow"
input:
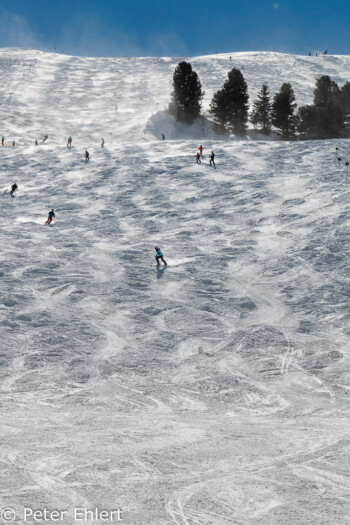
column 213, row 391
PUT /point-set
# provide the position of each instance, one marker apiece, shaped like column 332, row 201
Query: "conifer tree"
column 186, row 98
column 325, row 119
column 229, row 105
column 329, row 114
column 282, row 114
column 307, row 122
column 345, row 105
column 261, row 113
column 326, row 92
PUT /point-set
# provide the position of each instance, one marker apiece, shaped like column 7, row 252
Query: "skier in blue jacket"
column 159, row 255
column 50, row 217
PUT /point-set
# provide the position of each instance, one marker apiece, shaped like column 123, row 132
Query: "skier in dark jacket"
column 212, row 156
column 159, row 255
column 50, row 217
column 14, row 187
column 86, row 155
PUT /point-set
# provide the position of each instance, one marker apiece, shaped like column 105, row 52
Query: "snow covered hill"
column 214, row 391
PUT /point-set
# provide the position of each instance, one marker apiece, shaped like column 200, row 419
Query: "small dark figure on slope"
column 159, row 255
column 50, row 217
column 212, row 156
column 14, row 187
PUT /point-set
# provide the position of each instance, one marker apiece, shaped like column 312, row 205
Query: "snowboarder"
column 102, row 143
column 159, row 255
column 201, row 149
column 198, row 158
column 14, row 187
column 86, row 155
column 212, row 156
column 69, row 143
column 50, row 217
column 45, row 138
column 2, row 141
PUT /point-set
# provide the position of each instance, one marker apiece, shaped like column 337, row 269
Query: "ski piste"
column 217, row 392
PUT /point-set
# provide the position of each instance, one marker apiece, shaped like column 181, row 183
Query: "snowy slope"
column 215, row 391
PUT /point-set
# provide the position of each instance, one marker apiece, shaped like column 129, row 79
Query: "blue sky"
column 175, row 27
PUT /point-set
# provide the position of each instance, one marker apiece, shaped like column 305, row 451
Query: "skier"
column 45, row 138
column 69, row 143
column 86, row 155
column 159, row 255
column 201, row 149
column 102, row 143
column 198, row 158
column 14, row 187
column 36, row 143
column 2, row 141
column 50, row 217
column 212, row 156
column 163, row 136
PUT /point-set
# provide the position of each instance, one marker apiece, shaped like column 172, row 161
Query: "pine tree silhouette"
column 186, row 98
column 229, row 105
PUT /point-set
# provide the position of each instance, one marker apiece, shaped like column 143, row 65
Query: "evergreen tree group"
column 328, row 116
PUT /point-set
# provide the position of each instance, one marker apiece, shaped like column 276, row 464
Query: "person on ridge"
column 159, row 255
column 14, row 187
column 86, row 155
column 212, row 156
column 69, row 143
column 50, row 217
column 198, row 158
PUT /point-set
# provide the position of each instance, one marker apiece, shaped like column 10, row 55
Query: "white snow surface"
column 214, row 391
